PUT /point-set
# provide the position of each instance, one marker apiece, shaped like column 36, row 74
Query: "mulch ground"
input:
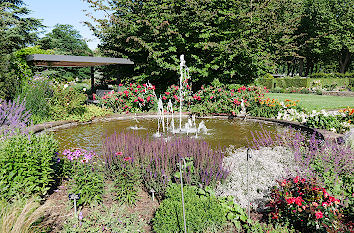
column 61, row 209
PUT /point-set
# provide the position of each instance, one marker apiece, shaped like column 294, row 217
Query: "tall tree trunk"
column 344, row 60
column 301, row 66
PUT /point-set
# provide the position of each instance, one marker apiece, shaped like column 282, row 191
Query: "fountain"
column 190, row 126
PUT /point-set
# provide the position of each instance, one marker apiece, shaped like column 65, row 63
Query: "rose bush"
column 305, row 205
column 131, row 98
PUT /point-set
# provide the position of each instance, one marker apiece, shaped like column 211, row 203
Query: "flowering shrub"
column 307, row 206
column 348, row 115
column 327, row 121
column 131, row 98
column 86, row 179
column 222, row 99
column 66, row 101
column 270, row 108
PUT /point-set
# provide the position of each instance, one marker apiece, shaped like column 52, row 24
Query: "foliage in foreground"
column 21, row 216
column 104, row 219
column 203, row 212
column 29, row 164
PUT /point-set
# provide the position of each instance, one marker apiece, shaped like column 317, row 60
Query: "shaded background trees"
column 234, row 41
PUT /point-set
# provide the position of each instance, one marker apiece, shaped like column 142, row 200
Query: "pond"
column 220, row 132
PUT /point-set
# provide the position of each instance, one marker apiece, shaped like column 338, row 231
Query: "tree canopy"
column 232, row 40
column 16, row 31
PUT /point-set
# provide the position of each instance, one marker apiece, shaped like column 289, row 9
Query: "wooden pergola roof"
column 47, row 60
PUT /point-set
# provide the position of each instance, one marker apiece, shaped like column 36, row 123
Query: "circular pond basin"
column 220, row 132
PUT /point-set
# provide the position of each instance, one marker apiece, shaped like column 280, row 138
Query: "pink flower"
column 136, row 100
column 319, row 215
column 119, row 153
column 128, row 158
column 138, row 86
column 290, row 200
column 167, row 93
column 211, row 97
column 120, row 84
column 296, row 179
column 164, row 97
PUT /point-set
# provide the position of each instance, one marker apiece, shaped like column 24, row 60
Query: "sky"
column 54, row 12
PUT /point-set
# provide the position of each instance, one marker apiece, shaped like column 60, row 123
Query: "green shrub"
column 38, row 92
column 66, row 101
column 203, row 212
column 278, row 90
column 28, row 165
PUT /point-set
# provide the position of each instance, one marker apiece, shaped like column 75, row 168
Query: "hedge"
column 303, row 82
column 332, row 75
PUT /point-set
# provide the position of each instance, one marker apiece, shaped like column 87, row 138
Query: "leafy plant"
column 203, row 212
column 126, row 178
column 86, row 178
column 37, row 92
column 104, row 219
column 29, row 164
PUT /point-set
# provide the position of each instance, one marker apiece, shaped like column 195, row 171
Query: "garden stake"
column 248, row 199
column 184, row 212
column 153, row 194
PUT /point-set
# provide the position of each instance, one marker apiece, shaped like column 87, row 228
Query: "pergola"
column 46, row 60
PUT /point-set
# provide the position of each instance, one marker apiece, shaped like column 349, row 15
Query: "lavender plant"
column 13, row 117
column 157, row 159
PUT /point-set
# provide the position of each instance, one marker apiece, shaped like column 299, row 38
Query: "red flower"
column 298, row 201
column 319, row 215
column 296, row 179
column 138, row 86
column 136, row 100
column 120, row 84
column 164, row 97
column 128, row 158
column 167, row 93
column 290, row 200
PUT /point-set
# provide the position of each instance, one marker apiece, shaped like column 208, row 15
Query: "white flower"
column 84, row 89
column 65, row 86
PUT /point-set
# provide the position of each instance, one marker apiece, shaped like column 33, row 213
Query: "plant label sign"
column 74, row 196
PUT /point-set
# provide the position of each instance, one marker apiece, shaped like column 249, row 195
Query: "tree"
column 16, row 31
column 327, row 27
column 154, row 34
column 64, row 39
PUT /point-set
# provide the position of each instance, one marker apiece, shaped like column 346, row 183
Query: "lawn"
column 315, row 102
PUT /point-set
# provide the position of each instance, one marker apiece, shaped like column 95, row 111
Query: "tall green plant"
column 28, row 165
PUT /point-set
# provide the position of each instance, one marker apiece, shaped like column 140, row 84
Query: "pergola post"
column 92, row 79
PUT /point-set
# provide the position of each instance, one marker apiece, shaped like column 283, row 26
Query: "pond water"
column 221, row 132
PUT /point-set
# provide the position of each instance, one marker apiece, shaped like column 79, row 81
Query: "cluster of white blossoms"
column 290, row 114
column 264, row 168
